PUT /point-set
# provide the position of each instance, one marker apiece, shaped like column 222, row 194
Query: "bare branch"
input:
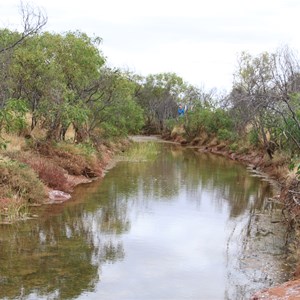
column 33, row 20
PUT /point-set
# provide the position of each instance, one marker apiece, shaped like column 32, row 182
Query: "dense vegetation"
column 52, row 83
column 62, row 81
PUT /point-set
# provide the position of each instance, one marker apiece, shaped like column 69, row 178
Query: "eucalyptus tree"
column 112, row 104
column 251, row 95
column 7, row 38
column 54, row 72
column 286, row 93
column 12, row 109
column 34, row 76
column 159, row 95
column 78, row 61
column 33, row 20
column 266, row 94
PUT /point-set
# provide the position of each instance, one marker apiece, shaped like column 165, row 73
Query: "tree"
column 266, row 95
column 250, row 96
column 159, row 96
column 54, row 73
column 112, row 104
column 33, row 20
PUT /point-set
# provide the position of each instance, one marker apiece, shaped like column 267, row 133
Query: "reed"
column 13, row 210
column 143, row 151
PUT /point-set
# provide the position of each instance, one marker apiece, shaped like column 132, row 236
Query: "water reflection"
column 183, row 223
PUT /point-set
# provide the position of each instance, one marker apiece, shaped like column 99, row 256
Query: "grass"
column 14, row 142
column 50, row 174
column 141, row 151
column 12, row 210
column 19, row 181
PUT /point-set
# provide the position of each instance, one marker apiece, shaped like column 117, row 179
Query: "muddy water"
column 186, row 225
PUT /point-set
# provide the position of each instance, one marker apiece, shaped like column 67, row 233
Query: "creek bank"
column 103, row 165
column 287, row 291
column 47, row 173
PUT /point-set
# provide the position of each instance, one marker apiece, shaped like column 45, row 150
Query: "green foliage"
column 55, row 74
column 87, row 149
column 294, row 163
column 114, row 109
column 226, row 135
column 219, row 119
column 159, row 95
column 127, row 118
column 13, row 115
column 253, row 137
column 291, row 128
column 172, row 122
column 8, row 38
column 234, row 147
column 3, row 144
column 195, row 121
column 212, row 121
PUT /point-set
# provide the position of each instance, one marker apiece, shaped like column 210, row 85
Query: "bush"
column 233, row 147
column 17, row 180
column 209, row 120
column 171, row 123
column 226, row 135
column 72, row 158
column 53, row 176
column 253, row 137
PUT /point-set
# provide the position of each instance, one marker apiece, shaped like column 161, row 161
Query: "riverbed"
column 181, row 225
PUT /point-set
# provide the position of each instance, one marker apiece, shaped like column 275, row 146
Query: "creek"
column 183, row 225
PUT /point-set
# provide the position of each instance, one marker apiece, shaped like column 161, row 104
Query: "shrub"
column 50, row 174
column 226, row 135
column 171, row 123
column 234, row 147
column 75, row 159
column 53, row 176
column 17, row 180
column 209, row 120
column 253, row 137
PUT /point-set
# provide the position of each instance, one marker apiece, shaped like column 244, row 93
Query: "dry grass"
column 50, row 174
column 141, row 152
column 18, row 181
column 278, row 172
column 14, row 142
column 12, row 210
column 75, row 159
column 280, row 159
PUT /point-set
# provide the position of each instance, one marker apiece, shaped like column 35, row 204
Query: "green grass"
column 142, row 151
column 15, row 210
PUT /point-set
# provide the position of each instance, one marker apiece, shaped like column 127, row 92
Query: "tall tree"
column 159, row 95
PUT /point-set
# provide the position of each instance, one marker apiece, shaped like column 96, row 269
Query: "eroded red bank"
column 287, row 291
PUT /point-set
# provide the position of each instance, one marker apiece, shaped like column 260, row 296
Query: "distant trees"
column 160, row 95
column 62, row 80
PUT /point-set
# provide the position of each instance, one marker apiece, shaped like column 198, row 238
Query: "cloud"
column 196, row 39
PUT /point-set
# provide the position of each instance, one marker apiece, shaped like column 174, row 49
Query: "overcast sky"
column 199, row 40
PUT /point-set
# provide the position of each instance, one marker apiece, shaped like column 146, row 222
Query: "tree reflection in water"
column 59, row 256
